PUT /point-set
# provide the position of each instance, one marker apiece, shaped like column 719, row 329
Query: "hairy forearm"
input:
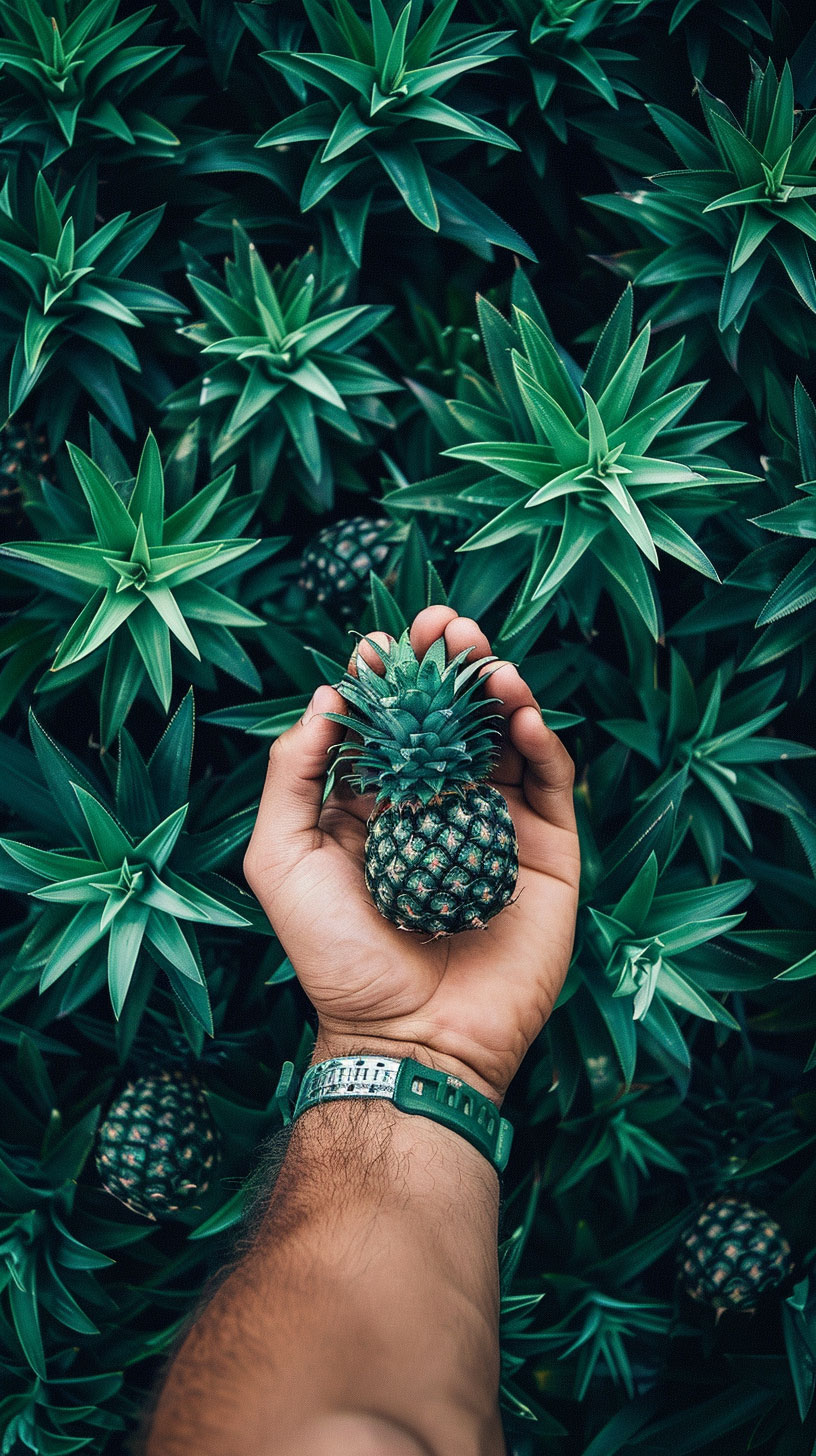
column 370, row 1290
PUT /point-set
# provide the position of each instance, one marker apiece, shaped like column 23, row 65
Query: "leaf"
column 406, row 169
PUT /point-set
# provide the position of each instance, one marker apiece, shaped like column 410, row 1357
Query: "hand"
column 469, row 1004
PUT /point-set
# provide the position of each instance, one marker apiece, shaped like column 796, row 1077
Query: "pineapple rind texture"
column 158, row 1144
column 446, row 866
column 335, row 567
column 732, row 1254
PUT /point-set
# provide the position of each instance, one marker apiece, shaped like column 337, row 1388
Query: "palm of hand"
column 476, row 999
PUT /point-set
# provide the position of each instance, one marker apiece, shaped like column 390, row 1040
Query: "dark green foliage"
column 271, row 265
column 115, row 895
column 574, row 464
column 75, row 78
column 389, row 89
column 70, row 302
column 284, row 372
column 144, row 575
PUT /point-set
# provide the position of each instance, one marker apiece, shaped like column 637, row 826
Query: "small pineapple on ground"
column 441, row 854
column 732, row 1254
column 335, row 566
column 158, row 1144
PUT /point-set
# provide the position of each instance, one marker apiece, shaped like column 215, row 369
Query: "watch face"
column 350, row 1077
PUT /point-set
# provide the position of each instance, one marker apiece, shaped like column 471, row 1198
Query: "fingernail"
column 310, row 708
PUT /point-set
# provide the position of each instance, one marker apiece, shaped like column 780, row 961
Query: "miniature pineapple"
column 441, row 853
column 158, row 1144
column 732, row 1253
column 335, row 566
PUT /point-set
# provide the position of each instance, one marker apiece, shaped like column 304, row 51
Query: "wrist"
column 331, row 1042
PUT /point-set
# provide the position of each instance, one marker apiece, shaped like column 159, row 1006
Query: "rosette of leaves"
column 738, row 216
column 71, row 299
column 587, row 474
column 599, row 1330
column 648, row 960
column 283, row 373
column 572, row 61
column 624, row 943
column 75, row 74
column 719, row 735
column 144, row 577
column 392, row 106
column 125, row 889
column 782, row 573
column 614, row 1137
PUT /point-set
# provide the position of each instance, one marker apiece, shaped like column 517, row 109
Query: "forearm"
column 370, row 1289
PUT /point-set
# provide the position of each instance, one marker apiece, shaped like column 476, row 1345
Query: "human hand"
column 469, row 1004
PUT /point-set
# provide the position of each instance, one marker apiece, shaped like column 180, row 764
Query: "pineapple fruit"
column 158, row 1144
column 335, row 566
column 732, row 1254
column 441, row 853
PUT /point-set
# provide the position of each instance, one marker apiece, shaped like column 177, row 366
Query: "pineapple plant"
column 158, row 1145
column 441, row 853
column 336, row 564
column 732, row 1253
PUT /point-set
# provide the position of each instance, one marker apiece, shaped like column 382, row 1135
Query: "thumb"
column 293, row 792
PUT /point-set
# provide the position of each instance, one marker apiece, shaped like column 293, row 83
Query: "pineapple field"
column 314, row 313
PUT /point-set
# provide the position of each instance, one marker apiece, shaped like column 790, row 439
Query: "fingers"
column 293, row 792
column 428, row 625
column 370, row 656
column 549, row 771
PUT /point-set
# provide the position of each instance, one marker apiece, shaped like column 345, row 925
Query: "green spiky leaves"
column 141, row 581
column 592, row 472
column 426, row 726
column 284, row 378
column 389, row 90
column 69, row 303
column 116, row 906
column 739, row 216
column 71, row 75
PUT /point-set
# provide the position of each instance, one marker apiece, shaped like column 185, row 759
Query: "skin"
column 364, row 1313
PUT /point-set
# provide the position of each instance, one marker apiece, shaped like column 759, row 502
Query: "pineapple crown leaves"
column 67, row 293
column 75, row 68
column 741, row 208
column 383, row 80
column 424, row 730
column 596, row 466
column 283, row 367
column 720, row 736
column 115, row 888
column 140, row 579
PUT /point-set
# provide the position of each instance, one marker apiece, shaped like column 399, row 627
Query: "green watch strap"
column 413, row 1087
column 455, row 1104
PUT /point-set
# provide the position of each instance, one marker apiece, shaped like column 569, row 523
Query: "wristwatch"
column 412, row 1087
